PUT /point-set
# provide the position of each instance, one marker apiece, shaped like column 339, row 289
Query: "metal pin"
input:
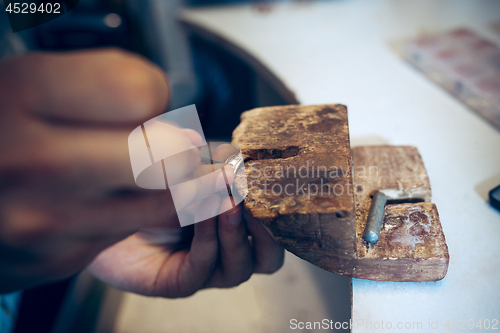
column 375, row 218
column 206, row 160
column 235, row 161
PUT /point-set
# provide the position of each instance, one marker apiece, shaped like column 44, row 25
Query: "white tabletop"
column 339, row 52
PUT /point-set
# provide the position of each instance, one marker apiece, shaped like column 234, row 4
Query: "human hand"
column 219, row 252
column 65, row 174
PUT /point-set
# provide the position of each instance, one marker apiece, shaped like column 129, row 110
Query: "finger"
column 162, row 235
column 194, row 136
column 94, row 158
column 224, row 151
column 31, row 218
column 204, row 169
column 208, row 208
column 268, row 254
column 196, row 267
column 99, row 86
column 123, row 216
column 192, row 208
column 189, row 192
column 166, row 144
column 236, row 261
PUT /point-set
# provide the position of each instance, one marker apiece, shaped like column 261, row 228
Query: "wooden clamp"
column 313, row 195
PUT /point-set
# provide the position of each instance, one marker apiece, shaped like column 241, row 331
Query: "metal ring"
column 236, row 161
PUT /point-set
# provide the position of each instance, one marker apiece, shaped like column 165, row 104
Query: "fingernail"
column 194, row 137
column 213, row 202
column 234, row 218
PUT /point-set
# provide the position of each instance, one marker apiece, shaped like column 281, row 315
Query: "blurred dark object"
column 227, row 89
column 40, row 306
column 90, row 24
column 215, row 2
column 495, row 197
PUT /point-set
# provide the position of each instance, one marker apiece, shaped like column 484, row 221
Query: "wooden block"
column 411, row 244
column 411, row 247
column 300, row 181
column 301, row 187
column 398, row 170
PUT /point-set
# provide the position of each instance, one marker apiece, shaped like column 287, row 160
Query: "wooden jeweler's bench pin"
column 315, row 195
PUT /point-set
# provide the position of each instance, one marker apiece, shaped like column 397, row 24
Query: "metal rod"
column 206, row 160
column 375, row 218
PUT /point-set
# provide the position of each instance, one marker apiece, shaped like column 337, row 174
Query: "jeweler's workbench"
column 329, row 52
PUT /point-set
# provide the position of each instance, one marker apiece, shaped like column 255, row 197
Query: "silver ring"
column 236, row 161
